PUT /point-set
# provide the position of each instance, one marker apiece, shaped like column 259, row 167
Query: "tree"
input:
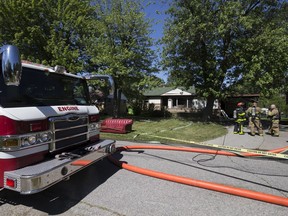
column 48, row 31
column 278, row 100
column 123, row 48
column 22, row 26
column 217, row 45
column 102, row 36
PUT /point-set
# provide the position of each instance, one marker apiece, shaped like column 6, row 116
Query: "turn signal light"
column 94, row 118
column 12, row 127
column 6, row 143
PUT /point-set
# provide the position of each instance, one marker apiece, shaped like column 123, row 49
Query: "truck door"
column 102, row 91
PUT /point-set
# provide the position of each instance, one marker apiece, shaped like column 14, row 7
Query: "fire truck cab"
column 49, row 129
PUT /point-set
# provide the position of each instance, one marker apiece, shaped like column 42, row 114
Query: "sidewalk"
column 266, row 142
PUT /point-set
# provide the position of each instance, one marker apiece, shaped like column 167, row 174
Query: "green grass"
column 174, row 131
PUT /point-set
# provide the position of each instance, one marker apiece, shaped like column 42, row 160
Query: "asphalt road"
column 104, row 189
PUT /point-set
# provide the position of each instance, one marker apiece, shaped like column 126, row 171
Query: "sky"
column 156, row 11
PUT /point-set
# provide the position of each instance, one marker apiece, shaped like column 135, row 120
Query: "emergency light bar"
column 56, row 69
column 59, row 69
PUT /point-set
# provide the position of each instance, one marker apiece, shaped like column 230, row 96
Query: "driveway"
column 105, row 189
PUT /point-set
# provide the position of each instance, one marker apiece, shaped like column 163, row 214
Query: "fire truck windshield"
column 39, row 88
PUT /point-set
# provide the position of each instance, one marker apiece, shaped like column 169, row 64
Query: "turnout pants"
column 274, row 128
column 255, row 125
column 238, row 127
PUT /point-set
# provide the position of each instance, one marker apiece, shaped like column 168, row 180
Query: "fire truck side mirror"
column 11, row 66
column 108, row 78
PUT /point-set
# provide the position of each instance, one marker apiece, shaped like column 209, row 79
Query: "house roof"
column 165, row 91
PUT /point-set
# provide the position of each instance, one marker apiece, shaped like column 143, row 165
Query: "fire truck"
column 49, row 129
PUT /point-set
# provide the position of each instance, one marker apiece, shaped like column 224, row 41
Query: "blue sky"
column 156, row 11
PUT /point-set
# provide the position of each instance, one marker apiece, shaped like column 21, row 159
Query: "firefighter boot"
column 236, row 128
column 241, row 132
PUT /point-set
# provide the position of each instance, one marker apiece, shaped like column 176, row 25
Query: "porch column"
column 170, row 103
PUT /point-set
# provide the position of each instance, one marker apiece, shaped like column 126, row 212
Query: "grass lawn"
column 174, row 130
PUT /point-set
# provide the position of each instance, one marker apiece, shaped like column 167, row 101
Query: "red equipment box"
column 116, row 125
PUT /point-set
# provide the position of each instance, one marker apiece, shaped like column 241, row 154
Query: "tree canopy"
column 218, row 45
column 99, row 36
column 221, row 47
column 123, row 47
column 47, row 31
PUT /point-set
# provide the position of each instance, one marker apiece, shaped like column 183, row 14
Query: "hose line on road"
column 273, row 154
column 269, row 198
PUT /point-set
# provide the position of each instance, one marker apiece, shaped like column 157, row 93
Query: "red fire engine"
column 49, row 129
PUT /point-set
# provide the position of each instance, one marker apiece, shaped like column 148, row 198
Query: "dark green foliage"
column 102, row 36
column 217, row 46
column 48, row 31
column 123, row 47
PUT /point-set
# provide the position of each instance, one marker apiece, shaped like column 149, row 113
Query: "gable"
column 170, row 91
column 176, row 91
column 157, row 91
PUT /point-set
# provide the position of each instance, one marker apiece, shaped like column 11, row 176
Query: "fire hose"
column 269, row 198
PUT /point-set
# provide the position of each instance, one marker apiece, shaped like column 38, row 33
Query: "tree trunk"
column 114, row 102
column 208, row 110
column 118, row 103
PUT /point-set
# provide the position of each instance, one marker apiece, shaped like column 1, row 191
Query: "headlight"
column 32, row 139
column 94, row 126
column 14, row 142
column 45, row 137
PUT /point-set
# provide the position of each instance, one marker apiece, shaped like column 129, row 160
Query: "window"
column 39, row 88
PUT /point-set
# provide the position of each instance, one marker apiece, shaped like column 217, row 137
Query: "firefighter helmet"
column 240, row 104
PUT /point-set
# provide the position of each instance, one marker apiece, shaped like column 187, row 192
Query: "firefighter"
column 253, row 114
column 239, row 117
column 274, row 116
column 130, row 111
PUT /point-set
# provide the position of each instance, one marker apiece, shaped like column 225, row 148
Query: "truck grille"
column 68, row 130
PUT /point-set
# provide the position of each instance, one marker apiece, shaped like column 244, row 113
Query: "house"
column 185, row 100
column 175, row 99
column 229, row 104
